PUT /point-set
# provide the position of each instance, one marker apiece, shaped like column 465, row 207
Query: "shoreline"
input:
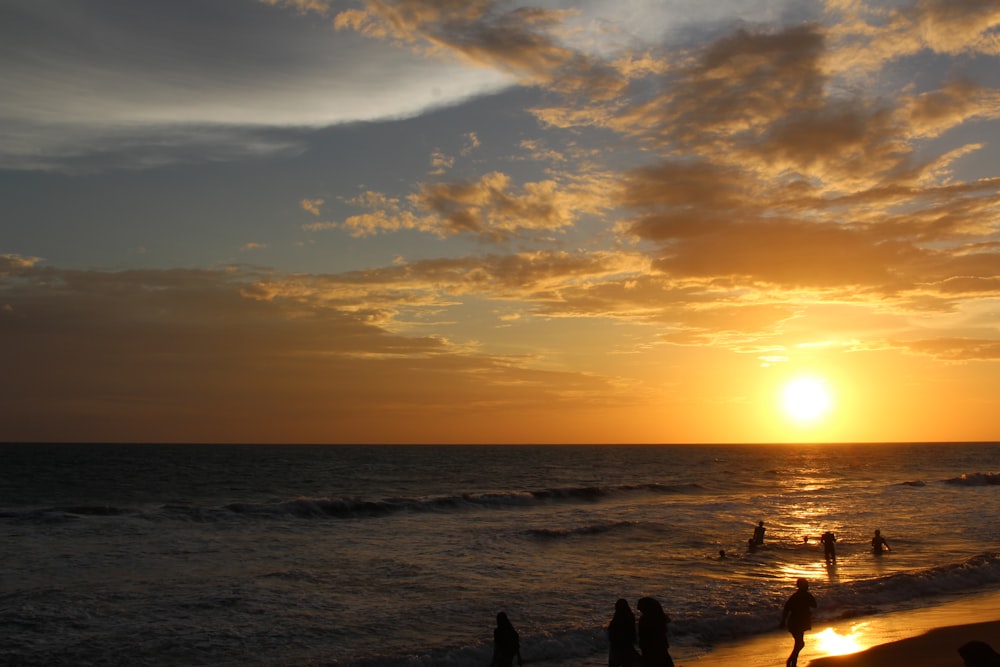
column 925, row 637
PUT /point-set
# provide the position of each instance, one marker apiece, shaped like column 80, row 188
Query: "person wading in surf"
column 879, row 544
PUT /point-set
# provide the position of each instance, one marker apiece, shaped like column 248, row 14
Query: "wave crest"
column 976, row 479
column 349, row 508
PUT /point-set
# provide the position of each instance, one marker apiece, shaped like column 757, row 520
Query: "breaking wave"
column 350, row 508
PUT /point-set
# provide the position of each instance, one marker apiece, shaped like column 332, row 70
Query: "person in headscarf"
column 653, row 642
column 506, row 643
column 621, row 636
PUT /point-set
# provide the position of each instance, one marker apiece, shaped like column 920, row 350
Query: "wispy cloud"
column 312, row 205
column 491, row 207
column 769, row 178
column 167, row 85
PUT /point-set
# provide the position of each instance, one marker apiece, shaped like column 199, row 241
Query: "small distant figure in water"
column 829, row 550
column 758, row 534
column 797, row 617
column 751, row 545
column 879, row 544
column 621, row 636
column 722, row 553
column 506, row 643
column 979, row 654
column 653, row 634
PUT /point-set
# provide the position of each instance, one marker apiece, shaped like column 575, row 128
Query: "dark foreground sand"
column 926, row 637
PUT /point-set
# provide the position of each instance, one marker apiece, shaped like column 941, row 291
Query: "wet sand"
column 924, row 637
column 937, row 648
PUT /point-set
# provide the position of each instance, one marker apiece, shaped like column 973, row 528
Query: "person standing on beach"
column 829, row 551
column 506, row 643
column 758, row 534
column 797, row 617
column 621, row 636
column 653, row 634
column 878, row 543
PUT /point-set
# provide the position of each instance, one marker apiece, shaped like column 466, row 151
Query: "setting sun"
column 576, row 223
column 807, row 399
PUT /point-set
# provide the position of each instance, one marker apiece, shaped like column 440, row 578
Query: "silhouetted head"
column 978, row 654
column 503, row 621
column 760, row 523
column 802, row 584
column 878, row 532
column 649, row 606
column 621, row 605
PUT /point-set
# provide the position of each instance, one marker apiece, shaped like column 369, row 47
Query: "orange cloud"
column 303, row 6
column 932, row 113
column 471, row 143
column 490, row 207
column 528, row 277
column 716, row 223
column 12, row 264
column 187, row 355
column 312, row 205
column 865, row 37
column 956, row 349
column 441, row 163
column 772, row 181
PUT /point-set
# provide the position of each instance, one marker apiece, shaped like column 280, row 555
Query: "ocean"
column 360, row 556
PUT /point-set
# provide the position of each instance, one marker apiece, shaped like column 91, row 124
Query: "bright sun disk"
column 806, row 399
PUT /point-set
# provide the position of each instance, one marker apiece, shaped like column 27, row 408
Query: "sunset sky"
column 478, row 221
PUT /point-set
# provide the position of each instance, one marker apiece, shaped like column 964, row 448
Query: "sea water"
column 385, row 555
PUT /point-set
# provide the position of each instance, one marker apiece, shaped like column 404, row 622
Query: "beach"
column 922, row 637
column 298, row 556
column 936, row 648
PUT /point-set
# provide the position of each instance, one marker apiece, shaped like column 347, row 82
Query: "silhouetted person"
column 621, row 636
column 797, row 617
column 751, row 545
column 829, row 550
column 653, row 634
column 758, row 534
column 506, row 643
column 879, row 544
column 979, row 654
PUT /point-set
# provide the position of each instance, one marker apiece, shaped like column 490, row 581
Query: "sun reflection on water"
column 831, row 642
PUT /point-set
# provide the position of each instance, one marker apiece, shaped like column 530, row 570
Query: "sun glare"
column 807, row 399
column 831, row 642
